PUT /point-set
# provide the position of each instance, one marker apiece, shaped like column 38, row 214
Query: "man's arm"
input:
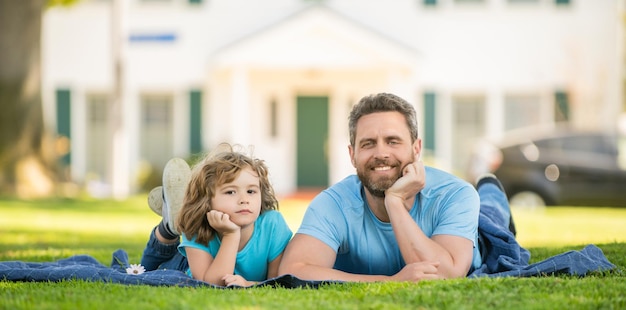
column 454, row 253
column 311, row 259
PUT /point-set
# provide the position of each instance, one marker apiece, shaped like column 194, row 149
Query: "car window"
column 549, row 144
column 595, row 143
column 582, row 143
column 584, row 150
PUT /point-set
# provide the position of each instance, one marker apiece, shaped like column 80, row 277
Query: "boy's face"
column 240, row 199
column 382, row 148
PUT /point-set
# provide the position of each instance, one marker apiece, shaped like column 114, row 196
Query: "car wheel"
column 527, row 200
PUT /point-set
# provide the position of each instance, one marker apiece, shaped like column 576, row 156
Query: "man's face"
column 382, row 148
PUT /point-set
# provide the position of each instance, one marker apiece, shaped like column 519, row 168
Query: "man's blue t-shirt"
column 269, row 238
column 340, row 217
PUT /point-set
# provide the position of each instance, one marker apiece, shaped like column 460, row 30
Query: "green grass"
column 54, row 229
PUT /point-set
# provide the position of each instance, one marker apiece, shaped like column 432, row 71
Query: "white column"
column 240, row 107
column 120, row 176
column 78, row 121
column 181, row 122
column 495, row 117
column 614, row 91
column 443, row 131
column 399, row 84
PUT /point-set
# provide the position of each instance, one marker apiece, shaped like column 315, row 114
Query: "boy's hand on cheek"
column 221, row 222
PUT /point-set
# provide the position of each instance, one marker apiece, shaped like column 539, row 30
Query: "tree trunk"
column 27, row 156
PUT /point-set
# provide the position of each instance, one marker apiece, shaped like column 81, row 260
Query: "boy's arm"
column 212, row 270
column 272, row 267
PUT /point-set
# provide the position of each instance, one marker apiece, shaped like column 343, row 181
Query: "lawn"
column 54, row 229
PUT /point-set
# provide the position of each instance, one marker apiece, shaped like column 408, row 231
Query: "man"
column 396, row 221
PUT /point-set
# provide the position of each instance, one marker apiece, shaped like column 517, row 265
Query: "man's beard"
column 377, row 187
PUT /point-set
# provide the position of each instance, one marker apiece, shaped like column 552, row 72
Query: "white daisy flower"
column 135, row 269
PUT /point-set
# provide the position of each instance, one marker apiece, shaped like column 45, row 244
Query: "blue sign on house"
column 153, row 37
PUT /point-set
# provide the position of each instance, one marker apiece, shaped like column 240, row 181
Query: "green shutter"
column 430, row 2
column 195, row 121
column 562, row 2
column 195, row 1
column 429, row 122
column 64, row 118
column 561, row 106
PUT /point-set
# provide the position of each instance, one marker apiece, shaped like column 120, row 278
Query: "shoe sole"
column 490, row 178
column 155, row 200
column 176, row 175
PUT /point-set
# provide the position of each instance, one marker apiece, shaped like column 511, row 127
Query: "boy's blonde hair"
column 219, row 167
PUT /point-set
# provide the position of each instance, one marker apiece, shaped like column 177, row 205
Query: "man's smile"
column 383, row 168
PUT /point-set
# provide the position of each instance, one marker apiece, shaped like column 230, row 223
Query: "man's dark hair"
column 382, row 102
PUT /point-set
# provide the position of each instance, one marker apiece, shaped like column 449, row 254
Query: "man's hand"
column 418, row 271
column 221, row 222
column 412, row 181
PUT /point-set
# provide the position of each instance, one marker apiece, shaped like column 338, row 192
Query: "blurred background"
column 97, row 95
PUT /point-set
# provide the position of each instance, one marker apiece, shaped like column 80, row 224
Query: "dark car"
column 556, row 166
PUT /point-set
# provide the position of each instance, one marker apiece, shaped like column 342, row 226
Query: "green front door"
column 64, row 120
column 312, row 142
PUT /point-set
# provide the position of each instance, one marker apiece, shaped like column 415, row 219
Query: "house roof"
column 316, row 37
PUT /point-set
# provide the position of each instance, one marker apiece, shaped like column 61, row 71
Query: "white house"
column 281, row 76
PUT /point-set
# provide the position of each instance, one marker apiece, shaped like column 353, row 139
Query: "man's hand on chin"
column 412, row 181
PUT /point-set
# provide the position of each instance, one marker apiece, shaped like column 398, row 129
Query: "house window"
column 562, row 2
column 468, row 126
column 156, row 143
column 156, row 110
column 429, row 2
column 98, row 136
column 521, row 110
column 98, row 109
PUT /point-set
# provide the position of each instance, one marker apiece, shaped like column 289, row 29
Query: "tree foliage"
column 61, row 2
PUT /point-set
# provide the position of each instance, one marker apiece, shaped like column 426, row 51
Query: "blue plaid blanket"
column 504, row 258
column 87, row 268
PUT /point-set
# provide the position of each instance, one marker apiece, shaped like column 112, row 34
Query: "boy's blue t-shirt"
column 340, row 217
column 269, row 238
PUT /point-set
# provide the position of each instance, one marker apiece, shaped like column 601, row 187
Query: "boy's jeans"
column 158, row 255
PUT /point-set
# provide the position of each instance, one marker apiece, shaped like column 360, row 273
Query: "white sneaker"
column 155, row 200
column 176, row 175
